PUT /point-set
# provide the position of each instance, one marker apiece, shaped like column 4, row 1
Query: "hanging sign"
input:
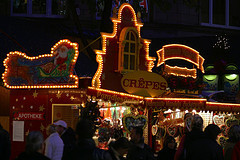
column 28, row 116
column 130, row 121
column 144, row 83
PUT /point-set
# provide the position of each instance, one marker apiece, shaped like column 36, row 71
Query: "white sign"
column 18, row 131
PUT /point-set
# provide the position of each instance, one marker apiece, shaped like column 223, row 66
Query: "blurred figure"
column 180, row 150
column 139, row 150
column 236, row 151
column 212, row 131
column 200, row 146
column 169, row 149
column 118, row 149
column 34, row 147
column 53, row 144
column 67, row 135
column 5, row 144
column 86, row 148
column 233, row 138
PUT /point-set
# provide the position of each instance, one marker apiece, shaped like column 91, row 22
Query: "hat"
column 61, row 123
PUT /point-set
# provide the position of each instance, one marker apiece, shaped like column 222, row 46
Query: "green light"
column 210, row 77
column 231, row 77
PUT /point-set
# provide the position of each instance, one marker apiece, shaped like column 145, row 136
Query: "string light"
column 11, row 55
column 179, row 51
column 96, row 82
column 222, row 42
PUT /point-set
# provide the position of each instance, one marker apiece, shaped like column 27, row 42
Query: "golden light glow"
column 117, row 93
column 225, row 107
column 96, row 82
column 178, row 99
column 180, row 71
column 178, row 51
column 23, row 55
column 150, row 60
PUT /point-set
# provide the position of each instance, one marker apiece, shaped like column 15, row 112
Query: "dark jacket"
column 31, row 156
column 86, row 150
column 199, row 147
column 5, row 144
column 69, row 140
column 236, row 151
column 113, row 155
column 166, row 154
column 140, row 152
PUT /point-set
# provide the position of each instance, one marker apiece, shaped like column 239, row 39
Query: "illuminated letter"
column 155, row 85
column 133, row 83
column 163, row 86
column 124, row 84
column 148, row 83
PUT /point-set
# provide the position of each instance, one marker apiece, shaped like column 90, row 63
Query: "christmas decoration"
column 90, row 111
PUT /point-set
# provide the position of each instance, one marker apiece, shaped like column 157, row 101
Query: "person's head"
column 212, row 131
column 187, row 121
column 85, row 129
column 121, row 145
column 234, row 133
column 60, row 126
column 187, row 115
column 197, row 122
column 50, row 129
column 169, row 142
column 136, row 134
column 34, row 142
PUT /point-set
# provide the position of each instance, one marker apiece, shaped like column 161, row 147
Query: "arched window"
column 130, row 51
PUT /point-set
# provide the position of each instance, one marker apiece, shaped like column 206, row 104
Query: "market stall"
column 124, row 88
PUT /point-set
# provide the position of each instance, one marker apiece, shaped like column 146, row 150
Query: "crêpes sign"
column 144, row 83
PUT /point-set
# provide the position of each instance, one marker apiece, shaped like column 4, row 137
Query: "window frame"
column 129, row 53
column 211, row 24
column 29, row 13
column 122, row 43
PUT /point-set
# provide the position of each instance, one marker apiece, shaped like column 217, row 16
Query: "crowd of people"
column 63, row 143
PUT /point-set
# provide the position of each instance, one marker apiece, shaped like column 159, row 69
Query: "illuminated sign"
column 53, row 70
column 177, row 51
column 144, row 83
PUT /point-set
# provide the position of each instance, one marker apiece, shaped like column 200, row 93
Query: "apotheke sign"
column 28, row 116
column 144, row 83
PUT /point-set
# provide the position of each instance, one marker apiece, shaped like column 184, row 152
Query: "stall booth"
column 130, row 94
column 44, row 88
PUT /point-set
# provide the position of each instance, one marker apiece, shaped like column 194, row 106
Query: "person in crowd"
column 233, row 138
column 169, row 149
column 187, row 123
column 236, row 151
column 118, row 148
column 34, row 147
column 86, row 148
column 198, row 145
column 5, row 144
column 67, row 135
column 212, row 131
column 139, row 150
column 53, row 144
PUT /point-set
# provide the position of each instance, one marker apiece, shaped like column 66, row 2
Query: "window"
column 219, row 7
column 220, row 13
column 234, row 15
column 38, row 8
column 130, row 51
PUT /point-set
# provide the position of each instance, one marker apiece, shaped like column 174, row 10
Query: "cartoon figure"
column 61, row 55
